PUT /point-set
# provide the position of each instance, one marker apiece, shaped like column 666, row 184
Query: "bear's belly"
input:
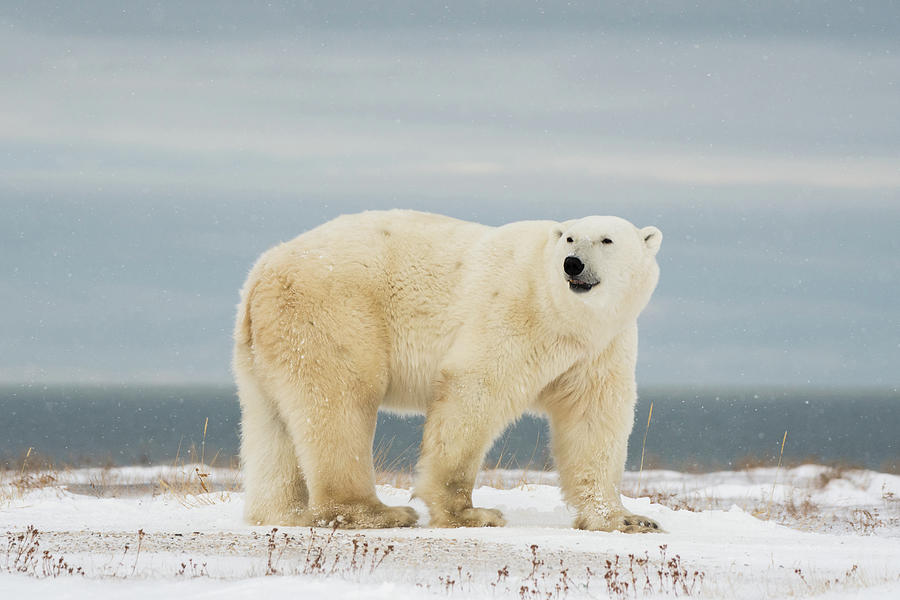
column 415, row 365
column 406, row 397
column 410, row 389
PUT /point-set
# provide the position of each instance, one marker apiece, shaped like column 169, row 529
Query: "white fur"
column 471, row 325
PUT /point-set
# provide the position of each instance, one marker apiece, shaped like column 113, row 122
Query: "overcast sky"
column 149, row 153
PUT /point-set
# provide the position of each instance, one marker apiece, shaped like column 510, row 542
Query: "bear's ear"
column 557, row 230
column 652, row 238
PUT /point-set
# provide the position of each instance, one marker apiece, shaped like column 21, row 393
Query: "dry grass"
column 24, row 556
column 391, row 471
column 749, row 462
column 507, row 473
column 797, row 509
column 188, row 481
column 14, row 484
column 801, row 504
column 644, row 445
column 322, row 556
column 817, row 584
column 628, row 576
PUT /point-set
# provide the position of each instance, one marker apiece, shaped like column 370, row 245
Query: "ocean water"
column 691, row 429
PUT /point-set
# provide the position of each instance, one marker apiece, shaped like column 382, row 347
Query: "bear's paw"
column 360, row 516
column 626, row 523
column 470, row 517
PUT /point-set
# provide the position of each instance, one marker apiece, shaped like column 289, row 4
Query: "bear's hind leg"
column 333, row 434
column 274, row 489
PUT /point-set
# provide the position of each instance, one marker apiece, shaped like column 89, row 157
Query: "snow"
column 807, row 531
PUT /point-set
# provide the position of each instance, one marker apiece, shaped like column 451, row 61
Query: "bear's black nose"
column 573, row 266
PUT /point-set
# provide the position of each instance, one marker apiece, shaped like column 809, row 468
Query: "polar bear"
column 469, row 324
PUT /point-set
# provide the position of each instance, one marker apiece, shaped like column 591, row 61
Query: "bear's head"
column 606, row 263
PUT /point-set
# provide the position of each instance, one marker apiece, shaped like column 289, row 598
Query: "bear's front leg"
column 459, row 428
column 589, row 450
column 590, row 425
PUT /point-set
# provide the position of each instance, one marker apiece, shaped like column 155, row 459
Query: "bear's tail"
column 243, row 334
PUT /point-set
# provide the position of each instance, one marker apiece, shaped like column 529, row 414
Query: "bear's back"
column 404, row 261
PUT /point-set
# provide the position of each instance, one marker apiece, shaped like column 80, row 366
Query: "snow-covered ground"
column 177, row 531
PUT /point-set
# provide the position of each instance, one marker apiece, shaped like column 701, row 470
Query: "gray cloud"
column 235, row 19
column 148, row 155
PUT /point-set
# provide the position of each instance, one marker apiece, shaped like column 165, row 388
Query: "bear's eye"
column 570, row 240
column 606, row 241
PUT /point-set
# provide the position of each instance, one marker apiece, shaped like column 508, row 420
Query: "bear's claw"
column 639, row 524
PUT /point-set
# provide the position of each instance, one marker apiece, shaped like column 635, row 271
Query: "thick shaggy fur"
column 468, row 324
